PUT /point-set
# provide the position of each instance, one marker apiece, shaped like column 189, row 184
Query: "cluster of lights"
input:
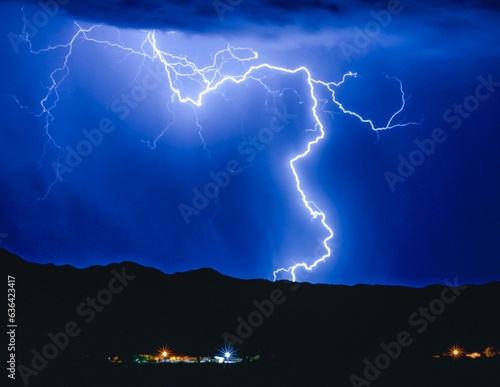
column 456, row 352
column 225, row 354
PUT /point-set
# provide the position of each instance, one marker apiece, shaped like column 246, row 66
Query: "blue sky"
column 412, row 205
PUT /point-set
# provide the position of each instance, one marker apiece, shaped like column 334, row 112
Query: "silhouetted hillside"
column 316, row 335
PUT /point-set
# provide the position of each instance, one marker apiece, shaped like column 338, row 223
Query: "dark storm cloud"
column 236, row 15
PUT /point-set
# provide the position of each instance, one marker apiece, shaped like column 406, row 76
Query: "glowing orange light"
column 163, row 351
column 455, row 352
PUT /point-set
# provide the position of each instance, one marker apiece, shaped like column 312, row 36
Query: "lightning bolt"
column 313, row 209
column 210, row 79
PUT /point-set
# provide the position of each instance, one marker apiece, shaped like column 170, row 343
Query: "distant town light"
column 163, row 352
column 455, row 352
column 228, row 354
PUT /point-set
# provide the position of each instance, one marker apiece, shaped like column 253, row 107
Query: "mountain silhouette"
column 303, row 334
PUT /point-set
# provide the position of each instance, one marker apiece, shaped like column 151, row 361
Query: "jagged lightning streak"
column 49, row 102
column 210, row 79
column 313, row 209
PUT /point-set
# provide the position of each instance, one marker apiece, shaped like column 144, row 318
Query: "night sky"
column 103, row 167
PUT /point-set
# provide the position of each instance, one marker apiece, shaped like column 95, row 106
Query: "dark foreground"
column 70, row 321
column 427, row 373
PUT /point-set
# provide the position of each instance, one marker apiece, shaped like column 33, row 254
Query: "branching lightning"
column 313, row 209
column 210, row 79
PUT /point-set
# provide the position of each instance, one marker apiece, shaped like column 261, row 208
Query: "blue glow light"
column 189, row 84
column 227, row 354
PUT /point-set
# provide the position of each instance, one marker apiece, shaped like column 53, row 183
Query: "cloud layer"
column 240, row 15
